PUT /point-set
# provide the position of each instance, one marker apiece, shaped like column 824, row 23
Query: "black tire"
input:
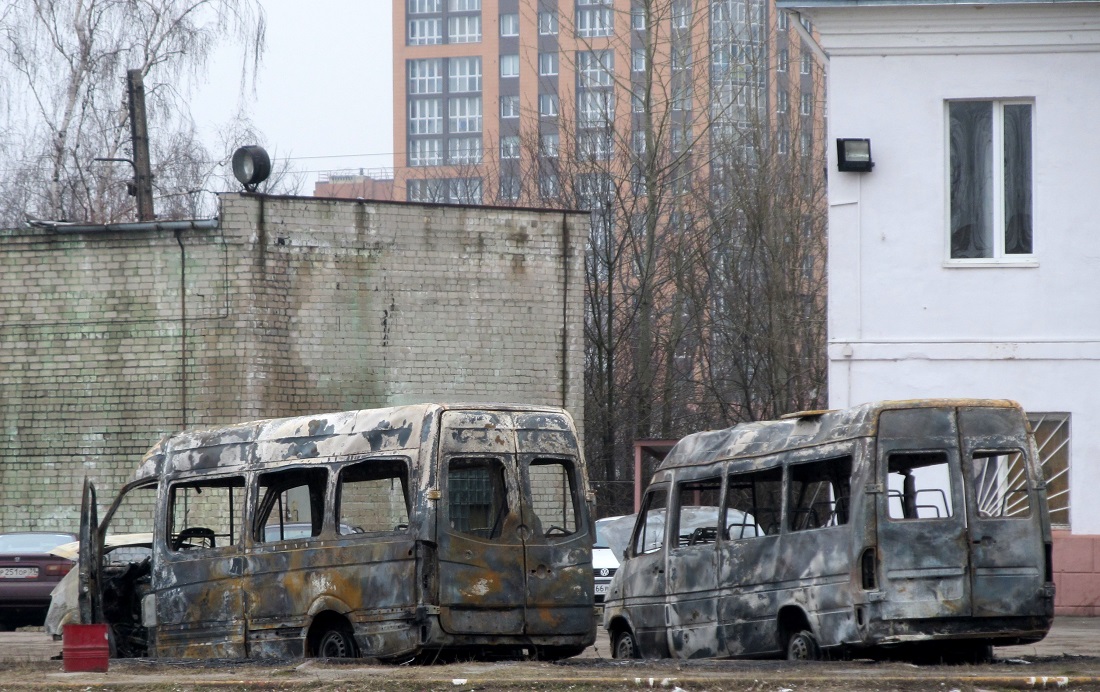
column 623, row 646
column 801, row 646
column 336, row 643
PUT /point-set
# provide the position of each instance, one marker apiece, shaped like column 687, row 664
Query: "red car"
column 28, row 573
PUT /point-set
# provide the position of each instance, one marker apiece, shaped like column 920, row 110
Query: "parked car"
column 605, row 562
column 28, row 573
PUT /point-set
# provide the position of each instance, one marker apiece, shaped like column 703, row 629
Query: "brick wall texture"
column 113, row 338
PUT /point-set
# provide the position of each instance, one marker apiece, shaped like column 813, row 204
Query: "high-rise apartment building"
column 490, row 96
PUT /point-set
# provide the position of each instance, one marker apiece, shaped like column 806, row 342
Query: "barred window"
column 1052, row 439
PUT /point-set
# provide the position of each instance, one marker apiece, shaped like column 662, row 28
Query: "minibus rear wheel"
column 336, row 643
column 803, row 647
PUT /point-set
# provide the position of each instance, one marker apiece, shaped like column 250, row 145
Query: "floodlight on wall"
column 251, row 166
column 854, row 155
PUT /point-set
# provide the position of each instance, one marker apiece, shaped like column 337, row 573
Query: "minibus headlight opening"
column 867, row 569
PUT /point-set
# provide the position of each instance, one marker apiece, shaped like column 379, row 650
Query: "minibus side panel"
column 1007, row 548
column 925, row 556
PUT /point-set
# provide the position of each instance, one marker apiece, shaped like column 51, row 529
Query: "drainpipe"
column 183, row 329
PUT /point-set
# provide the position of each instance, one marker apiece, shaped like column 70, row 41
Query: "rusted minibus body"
column 917, row 523
column 389, row 533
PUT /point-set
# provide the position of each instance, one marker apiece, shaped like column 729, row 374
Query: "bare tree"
column 66, row 133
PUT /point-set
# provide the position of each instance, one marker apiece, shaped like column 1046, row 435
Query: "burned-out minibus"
column 916, row 524
column 390, row 533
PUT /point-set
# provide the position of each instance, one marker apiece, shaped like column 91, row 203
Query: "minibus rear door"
column 1007, row 551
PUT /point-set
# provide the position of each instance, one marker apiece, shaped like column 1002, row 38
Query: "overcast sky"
column 324, row 94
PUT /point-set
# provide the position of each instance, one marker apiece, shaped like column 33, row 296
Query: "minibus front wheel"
column 623, row 644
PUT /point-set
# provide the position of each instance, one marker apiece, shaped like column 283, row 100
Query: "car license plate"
column 18, row 572
column 601, row 589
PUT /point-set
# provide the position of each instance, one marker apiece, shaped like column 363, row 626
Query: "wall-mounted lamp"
column 854, row 155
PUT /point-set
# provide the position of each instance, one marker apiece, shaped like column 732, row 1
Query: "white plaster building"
column 967, row 263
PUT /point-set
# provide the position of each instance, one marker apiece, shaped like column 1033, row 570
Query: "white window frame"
column 548, row 64
column 999, row 257
column 549, row 145
column 548, row 23
column 425, row 76
column 637, row 60
column 782, row 20
column 806, row 63
column 806, row 104
column 509, row 66
column 464, row 28
column 637, row 19
column 425, row 152
column 509, row 107
column 596, row 68
column 425, row 6
column 426, row 116
column 595, row 22
column 464, row 5
column 464, row 114
column 464, row 75
column 509, row 25
column 424, row 32
column 548, row 105
column 783, row 58
column 510, row 187
column 509, row 147
column 464, row 150
column 782, row 101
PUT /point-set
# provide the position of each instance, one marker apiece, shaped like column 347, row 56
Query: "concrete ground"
column 1069, row 658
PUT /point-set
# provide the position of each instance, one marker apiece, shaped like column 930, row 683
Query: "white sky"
column 323, row 96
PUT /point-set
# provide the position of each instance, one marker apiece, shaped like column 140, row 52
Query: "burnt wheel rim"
column 800, row 648
column 335, row 645
column 625, row 647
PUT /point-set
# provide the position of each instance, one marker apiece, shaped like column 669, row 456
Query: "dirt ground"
column 1069, row 658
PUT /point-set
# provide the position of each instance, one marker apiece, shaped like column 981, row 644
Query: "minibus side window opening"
column 919, row 485
column 754, row 503
column 373, row 496
column 292, row 504
column 819, row 493
column 552, row 494
column 477, row 496
column 1000, row 482
column 649, row 536
column 698, row 514
column 205, row 514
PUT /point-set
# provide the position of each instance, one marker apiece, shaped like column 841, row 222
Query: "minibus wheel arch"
column 623, row 642
column 331, row 636
column 795, row 636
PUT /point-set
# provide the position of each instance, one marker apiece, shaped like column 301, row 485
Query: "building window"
column 782, row 20
column 784, row 141
column 425, row 32
column 548, row 186
column 548, row 105
column 807, row 63
column 990, row 179
column 548, row 64
column 807, row 105
column 595, row 68
column 593, row 22
column 637, row 18
column 807, row 138
column 594, row 146
column 425, row 6
column 425, row 76
column 464, row 75
column 595, row 108
column 637, row 60
column 548, row 145
column 464, row 191
column 464, row 150
column 548, row 23
column 464, row 114
column 509, row 187
column 637, row 100
column 426, row 190
column 781, row 103
column 637, row 143
column 425, row 117
column 681, row 14
column 782, row 58
column 509, row 25
column 509, row 66
column 509, row 147
column 464, row 5
column 509, row 106
column 425, row 152
column 464, row 28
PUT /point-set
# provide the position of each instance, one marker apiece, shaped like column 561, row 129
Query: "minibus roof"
column 796, row 430
column 365, row 431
